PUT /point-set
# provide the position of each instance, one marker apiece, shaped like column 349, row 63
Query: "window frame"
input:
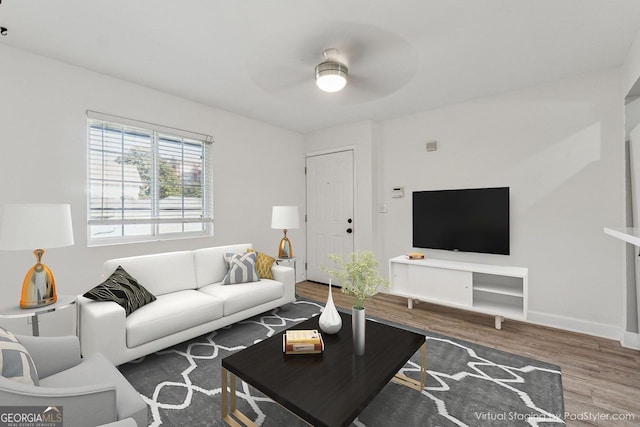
column 159, row 136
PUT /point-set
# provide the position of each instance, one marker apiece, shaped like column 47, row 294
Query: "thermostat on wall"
column 397, row 193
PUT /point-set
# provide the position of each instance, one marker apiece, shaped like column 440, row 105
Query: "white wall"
column 631, row 67
column 631, row 297
column 558, row 147
column 43, row 140
column 630, row 88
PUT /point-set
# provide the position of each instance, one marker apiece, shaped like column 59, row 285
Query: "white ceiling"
column 257, row 58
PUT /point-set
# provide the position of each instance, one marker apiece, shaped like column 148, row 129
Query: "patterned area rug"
column 467, row 384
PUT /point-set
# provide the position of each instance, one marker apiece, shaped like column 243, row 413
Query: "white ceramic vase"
column 358, row 323
column 330, row 321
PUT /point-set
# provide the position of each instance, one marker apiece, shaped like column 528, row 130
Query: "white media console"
column 490, row 289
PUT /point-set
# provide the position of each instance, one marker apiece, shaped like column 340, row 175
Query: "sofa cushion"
column 241, row 268
column 245, row 295
column 264, row 263
column 160, row 273
column 171, row 313
column 210, row 265
column 15, row 361
column 122, row 289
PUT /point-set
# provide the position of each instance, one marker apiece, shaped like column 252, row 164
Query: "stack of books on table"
column 302, row 341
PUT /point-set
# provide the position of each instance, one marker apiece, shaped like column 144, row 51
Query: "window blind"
column 147, row 181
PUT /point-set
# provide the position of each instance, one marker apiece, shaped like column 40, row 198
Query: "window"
column 146, row 182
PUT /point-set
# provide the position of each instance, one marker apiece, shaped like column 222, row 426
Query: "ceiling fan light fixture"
column 331, row 75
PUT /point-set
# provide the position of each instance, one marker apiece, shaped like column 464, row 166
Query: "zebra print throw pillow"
column 122, row 289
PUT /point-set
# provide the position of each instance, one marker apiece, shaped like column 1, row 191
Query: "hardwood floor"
column 600, row 379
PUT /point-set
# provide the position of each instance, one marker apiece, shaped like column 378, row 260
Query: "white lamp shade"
column 36, row 226
column 285, row 217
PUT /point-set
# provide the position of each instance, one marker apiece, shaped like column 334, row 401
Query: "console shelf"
column 500, row 291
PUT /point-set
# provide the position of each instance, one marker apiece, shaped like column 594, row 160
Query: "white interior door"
column 330, row 220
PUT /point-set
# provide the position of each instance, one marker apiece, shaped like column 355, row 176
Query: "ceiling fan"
column 362, row 63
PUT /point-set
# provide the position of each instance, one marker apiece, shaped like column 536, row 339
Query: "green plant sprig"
column 358, row 275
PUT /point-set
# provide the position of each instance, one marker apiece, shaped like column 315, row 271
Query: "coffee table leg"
column 410, row 382
column 224, row 398
column 423, row 366
column 228, row 409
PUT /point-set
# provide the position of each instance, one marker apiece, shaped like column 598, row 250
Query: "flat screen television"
column 467, row 220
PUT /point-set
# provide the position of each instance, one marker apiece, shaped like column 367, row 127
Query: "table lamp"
column 285, row 218
column 29, row 226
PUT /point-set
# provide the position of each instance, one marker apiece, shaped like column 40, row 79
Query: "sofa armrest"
column 85, row 405
column 286, row 276
column 103, row 329
column 52, row 354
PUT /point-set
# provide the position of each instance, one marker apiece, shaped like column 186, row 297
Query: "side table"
column 289, row 261
column 63, row 301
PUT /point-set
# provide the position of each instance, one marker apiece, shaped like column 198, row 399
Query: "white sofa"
column 190, row 301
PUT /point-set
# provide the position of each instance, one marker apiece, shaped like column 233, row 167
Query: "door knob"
column 349, row 230
column 349, row 220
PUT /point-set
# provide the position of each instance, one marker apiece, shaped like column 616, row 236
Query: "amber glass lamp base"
column 39, row 286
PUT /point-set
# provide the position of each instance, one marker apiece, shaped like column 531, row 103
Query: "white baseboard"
column 631, row 340
column 575, row 325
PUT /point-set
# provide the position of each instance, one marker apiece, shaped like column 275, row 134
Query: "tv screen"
column 469, row 220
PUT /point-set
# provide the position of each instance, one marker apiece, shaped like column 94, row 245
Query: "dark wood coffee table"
column 328, row 389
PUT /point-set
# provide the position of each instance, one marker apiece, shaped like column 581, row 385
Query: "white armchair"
column 90, row 390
